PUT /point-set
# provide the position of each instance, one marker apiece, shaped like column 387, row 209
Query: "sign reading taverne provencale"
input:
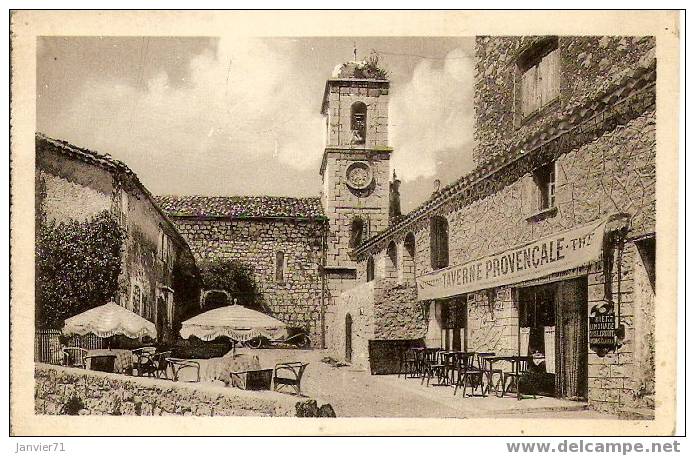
column 556, row 253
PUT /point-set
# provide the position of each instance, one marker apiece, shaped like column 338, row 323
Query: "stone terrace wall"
column 255, row 242
column 589, row 64
column 114, row 394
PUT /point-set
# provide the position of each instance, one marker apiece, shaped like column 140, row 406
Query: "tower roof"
column 363, row 69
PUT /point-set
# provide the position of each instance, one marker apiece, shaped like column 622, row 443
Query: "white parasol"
column 110, row 320
column 236, row 322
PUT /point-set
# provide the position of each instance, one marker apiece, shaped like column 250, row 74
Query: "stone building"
column 280, row 239
column 300, row 248
column 547, row 248
column 158, row 271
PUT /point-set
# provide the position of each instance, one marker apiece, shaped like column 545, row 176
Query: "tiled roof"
column 242, row 206
column 104, row 161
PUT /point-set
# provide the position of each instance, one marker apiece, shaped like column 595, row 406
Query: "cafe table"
column 123, row 363
column 513, row 360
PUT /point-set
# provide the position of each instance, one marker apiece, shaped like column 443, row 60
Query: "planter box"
column 253, row 379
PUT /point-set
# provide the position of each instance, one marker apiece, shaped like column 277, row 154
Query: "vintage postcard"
column 229, row 222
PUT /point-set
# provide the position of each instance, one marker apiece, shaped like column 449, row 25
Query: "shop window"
column 391, row 261
column 439, row 242
column 544, row 177
column 647, row 251
column 356, row 232
column 409, row 258
column 358, row 123
column 280, row 267
column 370, row 269
column 539, row 74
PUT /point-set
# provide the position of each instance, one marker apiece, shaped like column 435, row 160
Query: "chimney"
column 394, row 197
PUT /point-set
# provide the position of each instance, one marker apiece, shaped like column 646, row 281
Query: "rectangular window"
column 439, row 242
column 539, row 69
column 280, row 267
column 544, row 177
column 135, row 299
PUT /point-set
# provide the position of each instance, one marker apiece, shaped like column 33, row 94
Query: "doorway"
column 348, row 338
column 454, row 316
column 553, row 328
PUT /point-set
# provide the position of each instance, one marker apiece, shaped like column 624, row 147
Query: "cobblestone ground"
column 355, row 393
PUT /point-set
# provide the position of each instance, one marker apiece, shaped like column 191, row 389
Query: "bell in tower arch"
column 359, row 123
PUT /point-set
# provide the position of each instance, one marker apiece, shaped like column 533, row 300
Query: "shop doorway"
column 553, row 328
column 348, row 338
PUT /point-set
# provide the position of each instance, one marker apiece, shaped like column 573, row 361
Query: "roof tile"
column 242, row 206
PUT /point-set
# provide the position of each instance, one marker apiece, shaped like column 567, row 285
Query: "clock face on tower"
column 359, row 176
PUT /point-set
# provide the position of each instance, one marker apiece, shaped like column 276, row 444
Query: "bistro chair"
column 408, row 363
column 289, row 375
column 74, row 356
column 153, row 365
column 433, row 366
column 519, row 370
column 486, row 365
column 469, row 374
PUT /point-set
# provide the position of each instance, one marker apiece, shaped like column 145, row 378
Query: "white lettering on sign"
column 566, row 250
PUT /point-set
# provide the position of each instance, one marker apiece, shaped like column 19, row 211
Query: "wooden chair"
column 469, row 375
column 74, row 356
column 487, row 367
column 408, row 363
column 519, row 370
column 177, row 364
column 153, row 365
column 434, row 366
column 289, row 375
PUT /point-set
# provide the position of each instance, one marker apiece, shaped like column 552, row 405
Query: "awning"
column 556, row 253
column 110, row 320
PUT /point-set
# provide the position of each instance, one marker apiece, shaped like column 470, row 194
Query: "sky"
column 231, row 116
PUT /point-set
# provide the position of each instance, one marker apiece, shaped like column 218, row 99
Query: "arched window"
column 370, row 269
column 358, row 122
column 409, row 258
column 391, row 261
column 356, row 232
column 280, row 267
column 439, row 242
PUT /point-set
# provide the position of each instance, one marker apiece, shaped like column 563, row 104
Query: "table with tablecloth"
column 123, row 359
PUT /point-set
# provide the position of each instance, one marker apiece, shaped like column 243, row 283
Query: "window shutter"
column 528, row 91
column 549, row 80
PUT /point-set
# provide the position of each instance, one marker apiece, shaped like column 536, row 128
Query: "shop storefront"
column 532, row 300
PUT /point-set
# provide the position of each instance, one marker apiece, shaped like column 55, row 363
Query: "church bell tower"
column 355, row 166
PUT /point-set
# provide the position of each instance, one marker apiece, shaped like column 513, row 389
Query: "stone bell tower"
column 355, row 166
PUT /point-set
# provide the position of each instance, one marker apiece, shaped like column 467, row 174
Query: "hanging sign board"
column 602, row 329
column 559, row 252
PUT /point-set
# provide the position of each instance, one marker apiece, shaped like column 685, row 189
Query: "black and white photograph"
column 460, row 226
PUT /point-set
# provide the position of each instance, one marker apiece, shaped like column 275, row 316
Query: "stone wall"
column 397, row 313
column 297, row 300
column 589, row 64
column 115, row 394
column 358, row 302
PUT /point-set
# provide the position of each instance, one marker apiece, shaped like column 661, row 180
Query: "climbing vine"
column 77, row 267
